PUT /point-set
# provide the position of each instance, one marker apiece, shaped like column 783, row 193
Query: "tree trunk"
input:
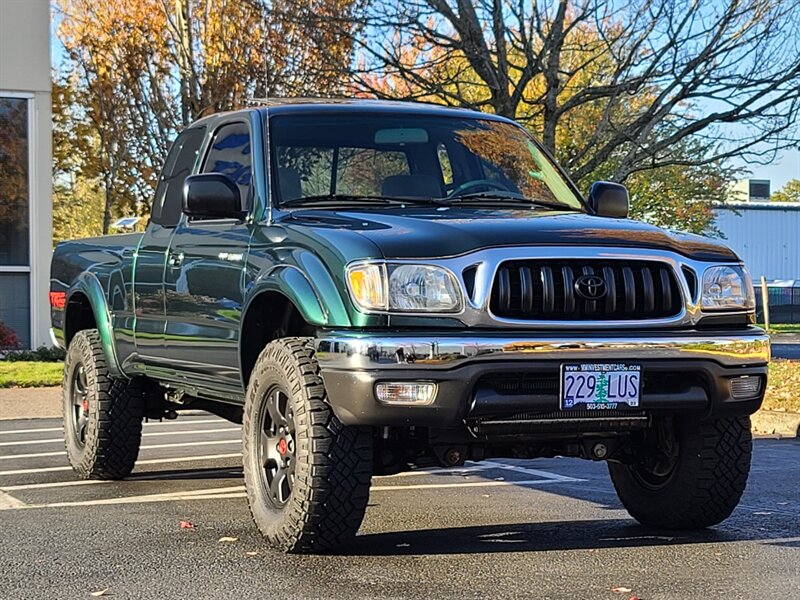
column 184, row 59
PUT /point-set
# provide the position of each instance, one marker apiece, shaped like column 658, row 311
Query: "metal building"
column 766, row 235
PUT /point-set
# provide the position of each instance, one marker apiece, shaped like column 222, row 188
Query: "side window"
column 179, row 164
column 231, row 154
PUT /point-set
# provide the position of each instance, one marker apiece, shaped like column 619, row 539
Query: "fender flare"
column 88, row 284
column 319, row 302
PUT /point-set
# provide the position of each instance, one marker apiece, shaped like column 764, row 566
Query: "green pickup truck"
column 371, row 287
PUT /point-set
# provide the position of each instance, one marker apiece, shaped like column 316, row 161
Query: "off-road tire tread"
column 332, row 474
column 714, row 467
column 115, row 425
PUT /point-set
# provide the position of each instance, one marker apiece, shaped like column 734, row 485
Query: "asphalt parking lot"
column 539, row 529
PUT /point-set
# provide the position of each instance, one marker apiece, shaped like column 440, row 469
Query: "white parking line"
column 40, row 430
column 147, row 476
column 239, row 492
column 147, row 424
column 434, row 486
column 152, row 461
column 443, row 470
column 535, row 472
column 151, row 447
column 183, row 495
column 147, row 434
column 7, row 501
column 486, row 466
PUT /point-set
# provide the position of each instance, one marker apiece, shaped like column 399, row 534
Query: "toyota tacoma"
column 371, row 287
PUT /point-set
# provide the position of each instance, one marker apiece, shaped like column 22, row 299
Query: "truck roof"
column 276, row 106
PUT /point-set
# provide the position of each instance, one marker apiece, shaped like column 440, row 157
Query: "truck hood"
column 433, row 232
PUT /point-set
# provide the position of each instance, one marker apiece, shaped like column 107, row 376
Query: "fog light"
column 406, row 393
column 745, row 386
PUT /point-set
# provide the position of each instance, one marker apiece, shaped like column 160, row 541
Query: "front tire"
column 691, row 474
column 307, row 475
column 102, row 414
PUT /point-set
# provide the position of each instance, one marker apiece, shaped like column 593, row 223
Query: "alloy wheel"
column 79, row 403
column 277, row 446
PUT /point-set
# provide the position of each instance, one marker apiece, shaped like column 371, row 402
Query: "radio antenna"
column 267, row 150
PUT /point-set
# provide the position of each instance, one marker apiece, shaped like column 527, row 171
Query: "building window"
column 14, row 182
column 15, row 305
column 14, row 217
column 759, row 189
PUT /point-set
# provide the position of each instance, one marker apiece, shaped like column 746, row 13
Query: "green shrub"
column 41, row 354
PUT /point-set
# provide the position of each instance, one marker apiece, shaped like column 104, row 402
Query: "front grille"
column 521, row 383
column 546, row 290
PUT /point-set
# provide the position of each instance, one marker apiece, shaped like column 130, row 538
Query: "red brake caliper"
column 283, row 446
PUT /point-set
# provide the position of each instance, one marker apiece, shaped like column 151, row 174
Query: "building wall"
column 751, row 190
column 766, row 236
column 25, row 218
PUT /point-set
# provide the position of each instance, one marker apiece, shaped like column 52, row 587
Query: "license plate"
column 600, row 386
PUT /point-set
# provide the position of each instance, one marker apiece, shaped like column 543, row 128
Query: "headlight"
column 389, row 287
column 727, row 287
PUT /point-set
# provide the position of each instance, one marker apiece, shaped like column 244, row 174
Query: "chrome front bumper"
column 342, row 350
column 698, row 368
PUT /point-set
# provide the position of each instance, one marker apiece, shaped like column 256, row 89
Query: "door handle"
column 175, row 260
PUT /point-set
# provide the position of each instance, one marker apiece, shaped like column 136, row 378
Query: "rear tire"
column 696, row 480
column 102, row 414
column 307, row 475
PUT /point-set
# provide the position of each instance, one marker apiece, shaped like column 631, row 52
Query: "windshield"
column 346, row 157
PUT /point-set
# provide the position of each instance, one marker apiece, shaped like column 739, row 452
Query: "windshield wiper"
column 339, row 199
column 512, row 197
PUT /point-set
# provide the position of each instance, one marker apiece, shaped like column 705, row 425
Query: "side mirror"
column 609, row 199
column 212, row 196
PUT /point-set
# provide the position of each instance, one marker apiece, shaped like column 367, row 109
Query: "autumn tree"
column 688, row 67
column 788, row 193
column 78, row 200
column 627, row 91
column 147, row 68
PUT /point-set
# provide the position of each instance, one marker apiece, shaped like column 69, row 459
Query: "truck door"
column 205, row 272
column 148, row 278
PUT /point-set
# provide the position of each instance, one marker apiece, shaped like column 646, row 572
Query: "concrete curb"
column 785, row 338
column 30, row 403
column 776, row 423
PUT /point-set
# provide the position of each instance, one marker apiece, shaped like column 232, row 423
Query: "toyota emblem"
column 590, row 287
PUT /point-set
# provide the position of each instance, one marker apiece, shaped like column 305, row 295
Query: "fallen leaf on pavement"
column 187, row 525
column 99, row 593
column 228, row 539
column 251, row 553
column 621, row 590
